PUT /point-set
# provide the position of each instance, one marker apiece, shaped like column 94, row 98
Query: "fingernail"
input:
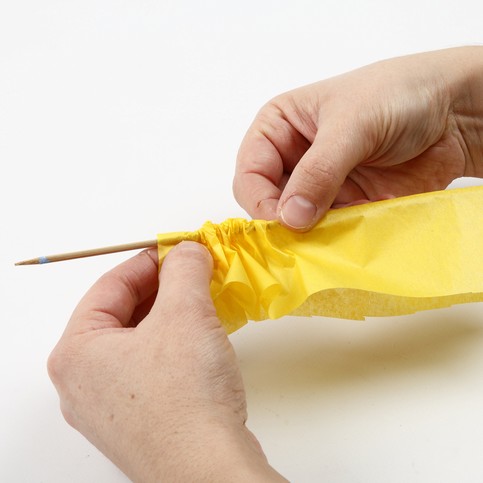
column 298, row 212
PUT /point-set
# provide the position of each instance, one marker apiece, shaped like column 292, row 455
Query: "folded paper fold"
column 390, row 257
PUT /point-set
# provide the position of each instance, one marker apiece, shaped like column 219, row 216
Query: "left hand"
column 151, row 378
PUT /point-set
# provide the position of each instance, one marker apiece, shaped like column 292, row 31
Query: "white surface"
column 122, row 119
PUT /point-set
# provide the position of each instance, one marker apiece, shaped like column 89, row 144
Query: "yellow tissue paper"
column 385, row 258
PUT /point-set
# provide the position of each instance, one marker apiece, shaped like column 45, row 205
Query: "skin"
column 397, row 127
column 144, row 369
column 149, row 376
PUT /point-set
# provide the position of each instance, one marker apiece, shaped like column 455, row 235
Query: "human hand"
column 394, row 128
column 150, row 377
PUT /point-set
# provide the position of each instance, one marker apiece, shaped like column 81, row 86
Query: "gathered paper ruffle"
column 385, row 258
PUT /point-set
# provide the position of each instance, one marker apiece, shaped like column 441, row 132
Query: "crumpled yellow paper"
column 385, row 258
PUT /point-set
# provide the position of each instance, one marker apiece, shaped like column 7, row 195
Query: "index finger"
column 259, row 171
column 268, row 154
column 112, row 300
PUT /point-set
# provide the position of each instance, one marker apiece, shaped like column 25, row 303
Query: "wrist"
column 235, row 455
column 214, row 451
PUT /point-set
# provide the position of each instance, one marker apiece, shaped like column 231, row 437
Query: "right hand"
column 394, row 128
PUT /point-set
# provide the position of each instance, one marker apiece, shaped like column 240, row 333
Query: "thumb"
column 184, row 283
column 318, row 177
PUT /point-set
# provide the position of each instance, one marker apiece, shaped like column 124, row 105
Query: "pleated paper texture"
column 386, row 258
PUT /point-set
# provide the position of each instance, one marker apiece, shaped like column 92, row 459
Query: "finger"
column 113, row 299
column 259, row 170
column 318, row 177
column 184, row 286
column 270, row 149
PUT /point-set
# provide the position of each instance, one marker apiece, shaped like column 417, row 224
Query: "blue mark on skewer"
column 43, row 260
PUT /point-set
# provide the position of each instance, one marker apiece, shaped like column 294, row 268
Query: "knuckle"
column 61, row 365
column 69, row 415
column 320, row 174
column 191, row 309
column 55, row 366
column 237, row 189
column 58, row 365
column 193, row 305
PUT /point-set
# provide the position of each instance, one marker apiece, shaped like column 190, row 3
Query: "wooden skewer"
column 90, row 253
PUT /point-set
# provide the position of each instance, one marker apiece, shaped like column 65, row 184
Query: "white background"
column 121, row 119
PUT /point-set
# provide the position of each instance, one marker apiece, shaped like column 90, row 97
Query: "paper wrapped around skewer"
column 390, row 257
